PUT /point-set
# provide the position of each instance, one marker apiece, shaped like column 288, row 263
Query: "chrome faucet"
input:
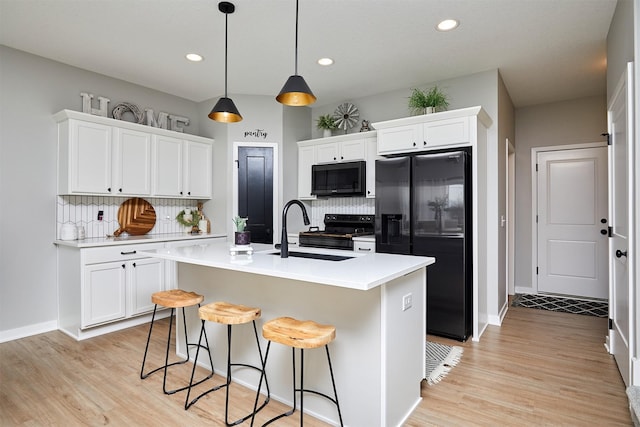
column 284, row 241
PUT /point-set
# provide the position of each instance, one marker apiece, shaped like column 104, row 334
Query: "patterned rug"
column 439, row 360
column 565, row 305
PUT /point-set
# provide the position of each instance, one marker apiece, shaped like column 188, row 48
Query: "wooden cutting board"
column 136, row 216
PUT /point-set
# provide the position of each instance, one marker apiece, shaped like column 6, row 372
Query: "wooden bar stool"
column 303, row 335
column 231, row 314
column 174, row 298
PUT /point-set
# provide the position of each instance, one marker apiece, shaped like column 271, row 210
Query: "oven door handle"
column 314, row 228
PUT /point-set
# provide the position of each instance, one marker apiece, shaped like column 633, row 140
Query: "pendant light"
column 225, row 110
column 295, row 91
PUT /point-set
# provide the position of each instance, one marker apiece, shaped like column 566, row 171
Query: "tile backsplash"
column 83, row 211
column 339, row 205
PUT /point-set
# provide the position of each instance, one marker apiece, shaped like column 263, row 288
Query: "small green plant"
column 188, row 217
column 240, row 223
column 327, row 122
column 434, row 97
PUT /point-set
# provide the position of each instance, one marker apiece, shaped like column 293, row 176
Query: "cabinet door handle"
column 128, row 253
column 334, row 158
column 189, row 193
column 365, row 249
column 134, row 265
column 181, row 193
column 414, row 144
column 120, row 190
column 109, row 189
column 123, row 266
column 424, row 142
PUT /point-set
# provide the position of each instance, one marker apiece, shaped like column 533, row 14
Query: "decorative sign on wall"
column 162, row 121
column 258, row 133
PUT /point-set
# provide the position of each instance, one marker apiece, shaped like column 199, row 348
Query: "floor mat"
column 565, row 305
column 439, row 360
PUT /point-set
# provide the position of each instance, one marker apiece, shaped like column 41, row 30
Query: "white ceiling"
column 546, row 50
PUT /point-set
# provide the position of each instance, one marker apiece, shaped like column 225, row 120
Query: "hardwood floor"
column 539, row 368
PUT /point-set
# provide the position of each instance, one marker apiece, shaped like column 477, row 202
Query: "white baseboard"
column 27, row 331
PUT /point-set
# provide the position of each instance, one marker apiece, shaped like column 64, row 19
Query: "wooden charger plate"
column 136, row 217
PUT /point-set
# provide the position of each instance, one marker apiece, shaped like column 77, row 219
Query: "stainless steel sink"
column 325, row 257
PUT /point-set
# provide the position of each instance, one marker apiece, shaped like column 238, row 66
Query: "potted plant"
column 430, row 101
column 327, row 124
column 242, row 236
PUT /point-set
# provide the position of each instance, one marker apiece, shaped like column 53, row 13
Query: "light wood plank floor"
column 539, row 368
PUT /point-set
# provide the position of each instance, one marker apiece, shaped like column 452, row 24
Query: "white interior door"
column 620, row 119
column 572, row 222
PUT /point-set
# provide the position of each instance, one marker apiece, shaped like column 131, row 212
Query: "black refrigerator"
column 423, row 207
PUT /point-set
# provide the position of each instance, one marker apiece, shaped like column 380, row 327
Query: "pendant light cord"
column 296, row 66
column 226, row 26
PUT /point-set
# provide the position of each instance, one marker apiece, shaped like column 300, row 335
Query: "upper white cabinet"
column 132, row 162
column 342, row 148
column 181, row 168
column 306, row 159
column 427, row 132
column 103, row 156
column 341, row 151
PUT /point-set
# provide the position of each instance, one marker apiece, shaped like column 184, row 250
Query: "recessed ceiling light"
column 325, row 61
column 194, row 57
column 447, row 25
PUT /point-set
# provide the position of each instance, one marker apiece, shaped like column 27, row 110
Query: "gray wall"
column 33, row 89
column 569, row 122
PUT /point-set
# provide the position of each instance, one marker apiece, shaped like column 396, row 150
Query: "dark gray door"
column 255, row 191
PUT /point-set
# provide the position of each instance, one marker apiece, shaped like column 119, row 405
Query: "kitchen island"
column 375, row 301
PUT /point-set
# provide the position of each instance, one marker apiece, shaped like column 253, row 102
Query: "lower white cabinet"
column 118, row 283
column 101, row 286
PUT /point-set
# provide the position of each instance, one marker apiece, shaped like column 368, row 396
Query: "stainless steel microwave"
column 339, row 179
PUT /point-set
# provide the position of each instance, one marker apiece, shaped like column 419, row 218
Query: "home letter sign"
column 86, row 105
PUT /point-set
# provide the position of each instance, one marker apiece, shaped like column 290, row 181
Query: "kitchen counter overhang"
column 361, row 271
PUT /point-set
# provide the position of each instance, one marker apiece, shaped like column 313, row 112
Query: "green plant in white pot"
column 241, row 236
column 429, row 101
column 327, row 124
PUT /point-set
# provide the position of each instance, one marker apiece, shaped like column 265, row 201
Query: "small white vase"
column 430, row 110
column 326, row 133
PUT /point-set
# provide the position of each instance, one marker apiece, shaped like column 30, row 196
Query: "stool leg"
column 188, row 404
column 146, row 348
column 335, row 392
column 262, row 375
column 301, row 387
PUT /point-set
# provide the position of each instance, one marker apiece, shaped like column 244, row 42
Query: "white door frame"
column 534, row 198
column 276, row 183
column 511, row 214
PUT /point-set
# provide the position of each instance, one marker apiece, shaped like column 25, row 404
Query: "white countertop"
column 130, row 240
column 362, row 272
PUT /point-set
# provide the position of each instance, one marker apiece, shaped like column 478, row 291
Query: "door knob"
column 604, row 232
column 620, row 254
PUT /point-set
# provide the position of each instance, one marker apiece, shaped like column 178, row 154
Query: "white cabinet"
column 335, row 149
column 118, row 283
column 103, row 293
column 341, row 151
column 102, row 156
column 420, row 133
column 364, row 246
column 131, row 163
column 181, row 168
column 371, row 156
column 198, row 173
column 306, row 159
column 84, row 156
column 167, row 166
column 101, row 286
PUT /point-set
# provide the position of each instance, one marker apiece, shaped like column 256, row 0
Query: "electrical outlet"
column 407, row 302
